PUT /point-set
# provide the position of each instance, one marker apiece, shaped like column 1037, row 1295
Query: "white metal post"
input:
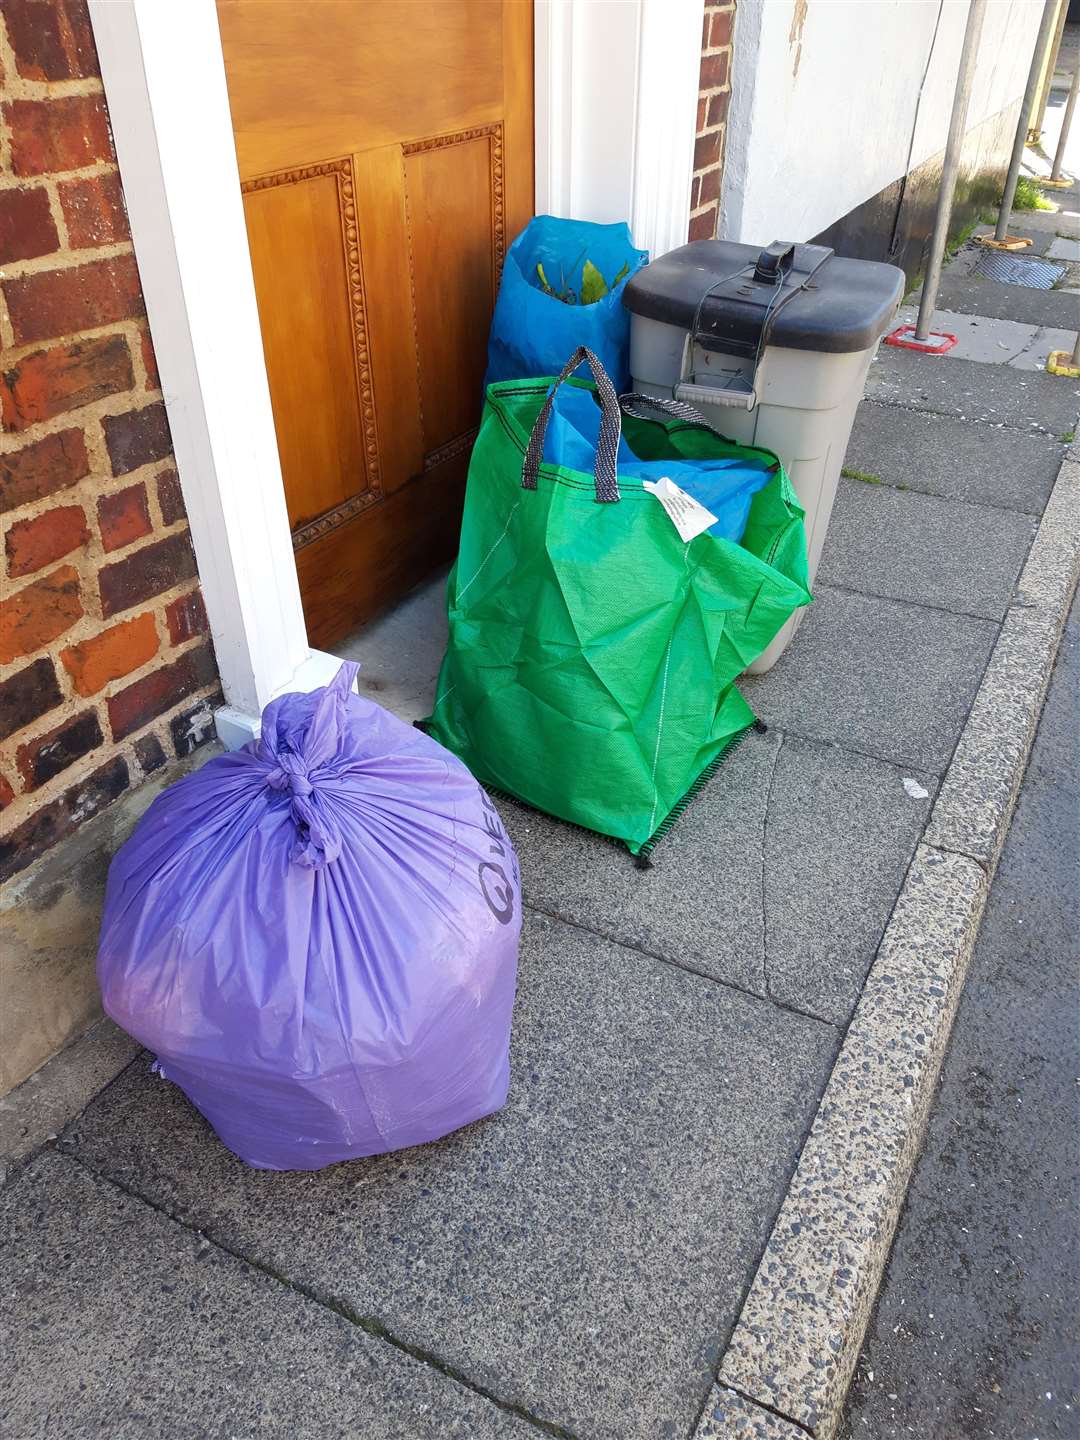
column 1066, row 123
column 965, row 77
column 1043, row 39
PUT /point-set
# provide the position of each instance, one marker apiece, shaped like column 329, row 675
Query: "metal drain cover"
column 1014, row 270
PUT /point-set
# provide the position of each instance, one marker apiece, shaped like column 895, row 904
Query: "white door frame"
column 616, row 95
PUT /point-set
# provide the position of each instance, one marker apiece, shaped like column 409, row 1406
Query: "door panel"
column 455, row 253
column 385, row 154
column 313, row 338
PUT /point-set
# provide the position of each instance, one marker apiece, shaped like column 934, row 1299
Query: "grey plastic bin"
column 774, row 346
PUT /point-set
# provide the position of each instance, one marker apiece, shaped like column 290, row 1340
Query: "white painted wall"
column 616, row 98
column 822, row 114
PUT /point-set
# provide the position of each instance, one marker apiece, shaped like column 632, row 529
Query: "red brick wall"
column 714, row 92
column 106, row 669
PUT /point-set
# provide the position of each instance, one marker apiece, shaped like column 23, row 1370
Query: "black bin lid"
column 806, row 297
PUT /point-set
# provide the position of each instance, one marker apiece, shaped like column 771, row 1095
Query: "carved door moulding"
column 342, row 172
column 493, row 133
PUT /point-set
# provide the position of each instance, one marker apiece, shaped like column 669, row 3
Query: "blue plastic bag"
column 724, row 486
column 532, row 332
column 317, row 936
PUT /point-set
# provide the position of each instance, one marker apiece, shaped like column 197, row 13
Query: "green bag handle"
column 638, row 405
column 605, row 471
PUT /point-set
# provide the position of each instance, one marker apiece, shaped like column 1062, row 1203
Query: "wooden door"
column 385, row 151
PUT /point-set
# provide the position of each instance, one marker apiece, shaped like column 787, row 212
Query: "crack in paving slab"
column 764, row 868
column 370, row 1324
column 121, row 1320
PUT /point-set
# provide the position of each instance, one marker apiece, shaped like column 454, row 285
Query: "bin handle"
column 774, row 262
column 605, row 471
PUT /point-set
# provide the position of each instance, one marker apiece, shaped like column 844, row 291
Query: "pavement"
column 976, row 1334
column 588, row 1261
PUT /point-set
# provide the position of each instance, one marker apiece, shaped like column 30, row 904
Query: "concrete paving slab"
column 1062, row 248
column 944, row 456
column 1039, row 403
column 581, row 1254
column 840, row 835
column 41, row 1106
column 400, row 652
column 979, row 337
column 974, row 295
column 909, row 546
column 790, row 906
column 891, row 679
column 117, row 1322
column 730, row 1417
column 1035, row 355
column 1061, row 221
column 973, row 810
column 700, row 904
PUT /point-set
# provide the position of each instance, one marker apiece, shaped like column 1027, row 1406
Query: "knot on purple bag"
column 293, row 780
column 318, row 842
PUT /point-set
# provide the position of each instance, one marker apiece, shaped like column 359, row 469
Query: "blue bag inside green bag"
column 724, row 485
column 533, row 329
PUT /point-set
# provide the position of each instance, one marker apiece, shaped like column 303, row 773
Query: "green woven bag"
column 592, row 654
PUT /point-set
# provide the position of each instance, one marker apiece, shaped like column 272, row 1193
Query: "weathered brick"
column 710, row 186
column 38, row 613
column 27, row 695
column 706, row 150
column 112, row 653
column 62, row 134
column 7, row 792
column 124, row 517
column 150, row 753
column 703, row 226
column 193, row 728
column 52, row 303
column 57, row 819
column 714, row 70
column 170, row 497
column 718, row 107
column 44, row 757
column 50, row 382
column 186, row 617
column 42, row 468
column 137, row 437
column 702, row 111
column 153, row 379
column 94, row 210
column 695, row 186
column 26, row 225
column 146, row 573
column 32, row 544
column 720, row 28
column 52, row 39
column 131, row 709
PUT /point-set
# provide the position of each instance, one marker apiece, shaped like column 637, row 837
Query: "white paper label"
column 684, row 512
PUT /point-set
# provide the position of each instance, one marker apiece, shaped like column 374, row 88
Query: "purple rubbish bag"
column 317, row 936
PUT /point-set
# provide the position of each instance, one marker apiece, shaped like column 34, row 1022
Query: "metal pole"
column 969, row 53
column 1047, row 78
column 1045, row 27
column 1066, row 122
